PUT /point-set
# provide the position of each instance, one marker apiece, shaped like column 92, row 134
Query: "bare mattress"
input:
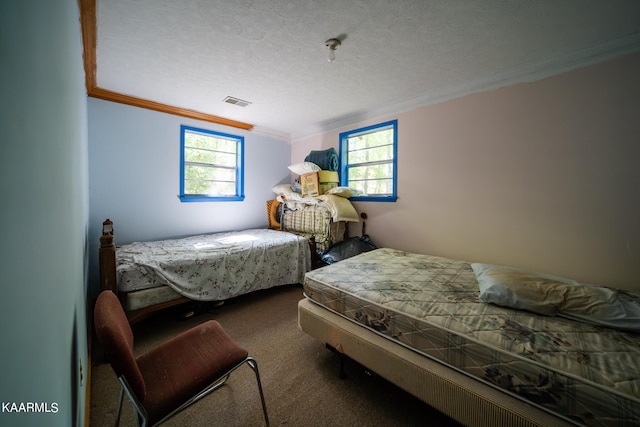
column 586, row 374
column 213, row 267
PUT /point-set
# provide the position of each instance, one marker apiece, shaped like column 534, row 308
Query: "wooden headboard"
column 107, row 258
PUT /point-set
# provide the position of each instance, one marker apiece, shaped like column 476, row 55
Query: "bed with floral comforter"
column 208, row 267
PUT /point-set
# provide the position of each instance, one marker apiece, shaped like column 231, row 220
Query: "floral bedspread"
column 217, row 266
column 586, row 374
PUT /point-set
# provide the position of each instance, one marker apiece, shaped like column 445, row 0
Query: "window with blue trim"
column 368, row 161
column 211, row 166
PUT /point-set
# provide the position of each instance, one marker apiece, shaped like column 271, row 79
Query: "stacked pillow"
column 304, row 167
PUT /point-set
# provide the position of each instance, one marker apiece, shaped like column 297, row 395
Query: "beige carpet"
column 299, row 375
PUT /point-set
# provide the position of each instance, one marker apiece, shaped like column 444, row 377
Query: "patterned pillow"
column 553, row 295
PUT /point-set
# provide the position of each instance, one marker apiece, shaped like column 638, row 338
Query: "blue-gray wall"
column 44, row 215
column 134, row 167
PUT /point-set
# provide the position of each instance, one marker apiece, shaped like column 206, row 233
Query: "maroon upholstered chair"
column 169, row 378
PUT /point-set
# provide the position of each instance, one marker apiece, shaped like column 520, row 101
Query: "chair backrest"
column 116, row 339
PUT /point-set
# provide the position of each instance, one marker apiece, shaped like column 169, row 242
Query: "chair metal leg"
column 254, row 365
column 139, row 412
column 119, row 405
column 221, row 382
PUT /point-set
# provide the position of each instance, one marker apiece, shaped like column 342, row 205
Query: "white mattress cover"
column 431, row 304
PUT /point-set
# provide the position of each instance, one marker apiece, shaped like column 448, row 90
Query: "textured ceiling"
column 395, row 54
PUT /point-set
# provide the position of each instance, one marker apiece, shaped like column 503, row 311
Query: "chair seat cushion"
column 178, row 369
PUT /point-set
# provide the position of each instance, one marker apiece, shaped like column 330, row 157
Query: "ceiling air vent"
column 236, row 101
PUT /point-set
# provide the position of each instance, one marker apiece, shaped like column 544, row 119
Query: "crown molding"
column 88, row 22
column 272, row 133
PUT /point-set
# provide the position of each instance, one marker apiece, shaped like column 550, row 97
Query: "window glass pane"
column 382, row 187
column 209, row 142
column 371, row 139
column 210, row 188
column 196, row 187
column 378, row 171
column 207, row 173
column 212, row 157
column 376, row 179
column 223, row 188
column 384, row 152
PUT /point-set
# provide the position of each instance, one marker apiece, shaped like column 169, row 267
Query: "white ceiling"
column 395, row 54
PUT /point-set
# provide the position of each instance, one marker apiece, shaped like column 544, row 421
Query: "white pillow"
column 284, row 189
column 343, row 192
column 304, row 167
column 553, row 295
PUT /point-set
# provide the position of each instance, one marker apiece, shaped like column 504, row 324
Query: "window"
column 368, row 161
column 211, row 166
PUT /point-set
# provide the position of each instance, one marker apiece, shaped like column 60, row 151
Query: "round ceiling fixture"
column 332, row 45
